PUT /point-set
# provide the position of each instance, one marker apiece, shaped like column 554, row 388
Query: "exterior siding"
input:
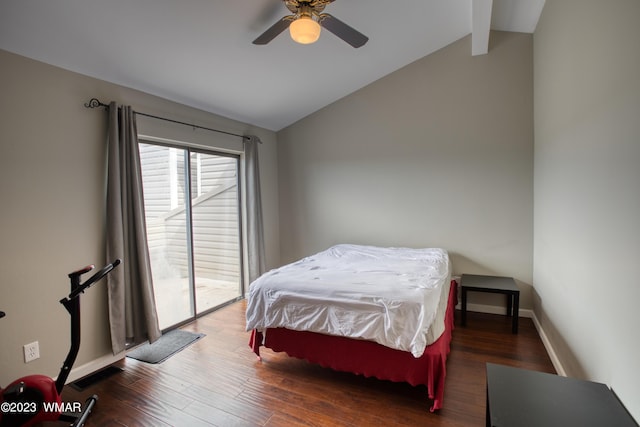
column 216, row 239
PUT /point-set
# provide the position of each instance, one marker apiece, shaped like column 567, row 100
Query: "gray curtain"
column 132, row 312
column 255, row 230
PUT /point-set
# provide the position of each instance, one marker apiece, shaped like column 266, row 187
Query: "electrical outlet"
column 31, row 351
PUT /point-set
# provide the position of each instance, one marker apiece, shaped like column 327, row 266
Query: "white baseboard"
column 555, row 360
column 93, row 366
column 492, row 309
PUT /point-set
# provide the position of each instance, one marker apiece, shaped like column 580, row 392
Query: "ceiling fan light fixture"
column 304, row 30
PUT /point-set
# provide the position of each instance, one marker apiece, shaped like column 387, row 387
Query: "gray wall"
column 437, row 154
column 52, row 192
column 587, row 189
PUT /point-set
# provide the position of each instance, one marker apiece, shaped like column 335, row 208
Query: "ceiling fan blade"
column 269, row 12
column 273, row 31
column 342, row 30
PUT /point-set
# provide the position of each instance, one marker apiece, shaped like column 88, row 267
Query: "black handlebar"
column 91, row 280
column 1, row 314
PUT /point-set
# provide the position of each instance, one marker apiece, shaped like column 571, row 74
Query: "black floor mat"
column 166, row 346
column 90, row 380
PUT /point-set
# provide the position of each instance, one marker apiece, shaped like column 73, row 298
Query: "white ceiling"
column 199, row 52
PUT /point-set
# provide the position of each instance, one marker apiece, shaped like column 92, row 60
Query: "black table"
column 493, row 284
column 522, row 398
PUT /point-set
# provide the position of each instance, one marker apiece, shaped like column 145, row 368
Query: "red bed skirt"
column 366, row 357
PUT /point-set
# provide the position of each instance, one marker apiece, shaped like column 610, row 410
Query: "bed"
column 379, row 312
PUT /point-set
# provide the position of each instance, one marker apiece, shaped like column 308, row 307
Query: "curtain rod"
column 95, row 103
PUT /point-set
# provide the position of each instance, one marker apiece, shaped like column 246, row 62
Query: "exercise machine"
column 36, row 398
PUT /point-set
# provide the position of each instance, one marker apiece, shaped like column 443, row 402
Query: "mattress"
column 393, row 296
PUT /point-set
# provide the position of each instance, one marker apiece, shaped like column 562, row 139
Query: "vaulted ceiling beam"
column 480, row 26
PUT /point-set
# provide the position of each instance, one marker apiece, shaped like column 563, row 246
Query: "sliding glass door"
column 193, row 229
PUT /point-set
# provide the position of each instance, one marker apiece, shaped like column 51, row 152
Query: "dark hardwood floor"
column 218, row 381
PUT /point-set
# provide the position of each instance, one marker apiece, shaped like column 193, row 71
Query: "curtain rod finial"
column 95, row 103
column 251, row 138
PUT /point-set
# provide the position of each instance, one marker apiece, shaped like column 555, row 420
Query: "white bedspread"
column 396, row 297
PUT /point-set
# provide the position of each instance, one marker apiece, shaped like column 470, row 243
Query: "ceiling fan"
column 304, row 25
